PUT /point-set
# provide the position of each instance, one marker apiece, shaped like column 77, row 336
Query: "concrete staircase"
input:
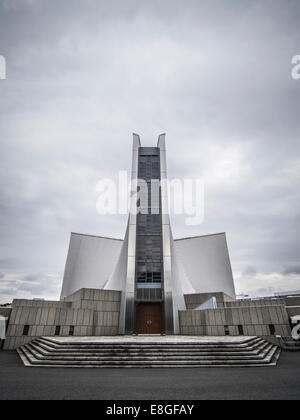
column 288, row 344
column 48, row 352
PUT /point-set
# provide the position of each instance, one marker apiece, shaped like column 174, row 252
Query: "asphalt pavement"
column 272, row 383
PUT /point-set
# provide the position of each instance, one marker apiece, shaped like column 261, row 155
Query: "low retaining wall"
column 86, row 313
column 266, row 322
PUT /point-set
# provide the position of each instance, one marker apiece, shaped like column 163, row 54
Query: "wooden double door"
column 149, row 318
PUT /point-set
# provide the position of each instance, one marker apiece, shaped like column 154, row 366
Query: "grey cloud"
column 32, row 278
column 9, row 263
column 292, row 270
column 215, row 75
column 33, row 285
column 265, row 291
column 7, row 291
column 32, row 288
column 250, row 271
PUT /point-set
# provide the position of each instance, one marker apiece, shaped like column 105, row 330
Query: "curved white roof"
column 90, row 262
column 206, row 263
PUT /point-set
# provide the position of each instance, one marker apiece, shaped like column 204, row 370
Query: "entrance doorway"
column 149, row 318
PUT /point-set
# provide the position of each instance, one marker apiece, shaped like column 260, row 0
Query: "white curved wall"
column 206, row 263
column 180, row 285
column 91, row 261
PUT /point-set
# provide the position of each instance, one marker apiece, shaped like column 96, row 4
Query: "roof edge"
column 97, row 236
column 200, row 236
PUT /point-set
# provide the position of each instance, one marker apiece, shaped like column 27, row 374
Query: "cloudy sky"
column 82, row 75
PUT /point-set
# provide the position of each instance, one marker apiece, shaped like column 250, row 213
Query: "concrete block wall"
column 98, row 300
column 5, row 312
column 40, row 303
column 42, row 321
column 89, row 317
column 293, row 305
column 254, row 319
column 254, row 302
column 293, row 310
column 292, row 301
column 106, row 323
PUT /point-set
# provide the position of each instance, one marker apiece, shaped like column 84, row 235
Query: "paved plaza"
column 19, row 382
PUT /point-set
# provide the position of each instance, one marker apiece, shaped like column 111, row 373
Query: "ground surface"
column 18, row 382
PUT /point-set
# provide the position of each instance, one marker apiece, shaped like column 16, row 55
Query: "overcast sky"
column 82, row 75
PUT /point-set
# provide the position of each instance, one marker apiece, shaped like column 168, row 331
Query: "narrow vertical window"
column 57, row 330
column 26, row 330
column 272, row 329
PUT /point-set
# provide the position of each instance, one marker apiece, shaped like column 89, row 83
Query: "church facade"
column 151, row 269
column 148, row 283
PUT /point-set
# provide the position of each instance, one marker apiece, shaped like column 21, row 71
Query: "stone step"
column 170, row 356
column 139, row 349
column 160, row 349
column 128, row 346
column 288, row 344
column 141, row 341
column 44, row 350
column 269, row 360
column 47, row 353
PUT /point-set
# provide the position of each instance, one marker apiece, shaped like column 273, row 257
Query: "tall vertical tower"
column 148, row 302
column 148, row 272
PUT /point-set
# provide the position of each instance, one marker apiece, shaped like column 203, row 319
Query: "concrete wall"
column 43, row 321
column 292, row 305
column 254, row 319
column 253, row 302
column 292, row 300
column 99, row 300
column 91, row 312
column 5, row 312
